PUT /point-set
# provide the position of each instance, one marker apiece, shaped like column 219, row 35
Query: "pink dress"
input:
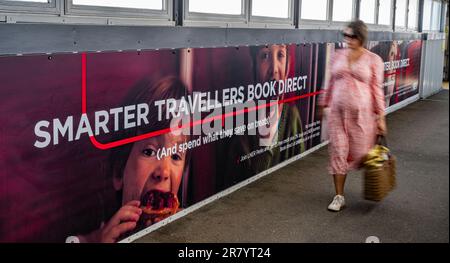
column 355, row 97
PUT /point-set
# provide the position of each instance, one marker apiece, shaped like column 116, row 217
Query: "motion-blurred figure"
column 354, row 96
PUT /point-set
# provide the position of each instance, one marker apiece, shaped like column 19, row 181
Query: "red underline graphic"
column 391, row 74
column 109, row 145
column 406, row 70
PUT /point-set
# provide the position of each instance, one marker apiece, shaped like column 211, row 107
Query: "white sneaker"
column 337, row 204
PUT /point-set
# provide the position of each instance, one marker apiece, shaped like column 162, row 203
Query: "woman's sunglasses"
column 350, row 36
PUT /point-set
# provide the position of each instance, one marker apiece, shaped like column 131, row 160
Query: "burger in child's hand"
column 157, row 205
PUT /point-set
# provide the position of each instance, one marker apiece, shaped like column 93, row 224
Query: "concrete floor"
column 289, row 205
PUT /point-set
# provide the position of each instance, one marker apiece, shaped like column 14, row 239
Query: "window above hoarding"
column 378, row 14
column 412, row 14
column 436, row 16
column 143, row 4
column 343, row 10
column 30, row 6
column 230, row 7
column 215, row 13
column 426, row 15
column 267, row 8
column 233, row 13
column 326, row 14
column 314, row 10
column 384, row 12
column 432, row 15
column 34, row 1
column 400, row 13
column 239, row 13
column 367, row 11
column 158, row 12
column 270, row 14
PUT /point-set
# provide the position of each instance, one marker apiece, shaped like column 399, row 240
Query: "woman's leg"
column 338, row 201
column 339, row 149
column 339, row 182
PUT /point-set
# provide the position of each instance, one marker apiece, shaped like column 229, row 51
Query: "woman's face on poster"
column 271, row 63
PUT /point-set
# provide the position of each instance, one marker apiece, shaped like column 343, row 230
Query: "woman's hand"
column 381, row 125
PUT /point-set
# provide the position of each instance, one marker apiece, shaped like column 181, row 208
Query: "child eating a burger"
column 147, row 186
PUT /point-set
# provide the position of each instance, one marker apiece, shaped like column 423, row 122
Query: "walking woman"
column 354, row 96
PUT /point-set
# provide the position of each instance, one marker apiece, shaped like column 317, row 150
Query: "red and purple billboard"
column 99, row 146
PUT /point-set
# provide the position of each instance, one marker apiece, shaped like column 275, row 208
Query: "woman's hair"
column 359, row 29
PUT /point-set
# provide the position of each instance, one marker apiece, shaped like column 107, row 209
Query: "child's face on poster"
column 144, row 172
